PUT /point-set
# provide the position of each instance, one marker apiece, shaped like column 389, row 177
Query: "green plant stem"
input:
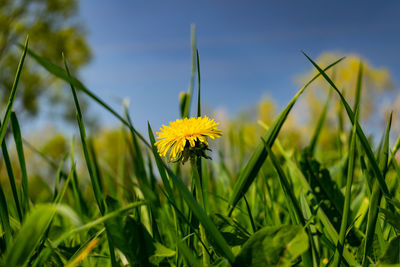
column 347, row 199
column 200, row 200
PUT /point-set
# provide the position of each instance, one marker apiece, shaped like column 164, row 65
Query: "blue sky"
column 248, row 49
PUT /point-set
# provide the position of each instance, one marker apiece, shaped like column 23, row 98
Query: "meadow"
column 264, row 205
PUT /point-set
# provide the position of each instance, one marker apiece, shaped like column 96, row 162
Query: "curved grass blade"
column 11, row 99
column 250, row 171
column 96, row 222
column 360, row 133
column 62, row 74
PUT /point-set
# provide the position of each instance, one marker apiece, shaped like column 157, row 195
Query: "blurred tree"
column 53, row 28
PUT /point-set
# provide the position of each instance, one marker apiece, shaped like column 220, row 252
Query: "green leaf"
column 392, row 253
column 253, row 166
column 161, row 253
column 273, row 246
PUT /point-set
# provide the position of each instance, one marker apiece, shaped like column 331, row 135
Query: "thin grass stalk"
column 11, row 179
column 347, row 197
column 200, row 200
column 90, row 166
column 376, row 198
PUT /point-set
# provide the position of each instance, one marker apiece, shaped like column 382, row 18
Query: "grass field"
column 271, row 205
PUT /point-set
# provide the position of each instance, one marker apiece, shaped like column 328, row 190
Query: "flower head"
column 186, row 138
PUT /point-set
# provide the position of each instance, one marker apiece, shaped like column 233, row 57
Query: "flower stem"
column 199, row 198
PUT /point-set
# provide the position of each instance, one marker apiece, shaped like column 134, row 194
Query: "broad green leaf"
column 161, row 253
column 273, row 246
column 392, row 253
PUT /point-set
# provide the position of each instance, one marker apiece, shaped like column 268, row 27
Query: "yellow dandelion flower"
column 186, row 137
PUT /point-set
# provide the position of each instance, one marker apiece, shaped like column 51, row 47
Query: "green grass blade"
column 360, row 133
column 189, row 94
column 376, row 197
column 4, row 217
column 96, row 222
column 64, row 188
column 292, row 203
column 92, row 172
column 358, row 88
column 59, row 175
column 186, row 252
column 200, row 214
column 320, row 124
column 28, row 238
column 160, row 166
column 21, row 158
column 199, row 81
column 11, row 178
column 62, row 74
column 347, row 198
column 13, row 93
column 251, row 169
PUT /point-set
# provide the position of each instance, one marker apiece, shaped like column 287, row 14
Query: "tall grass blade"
column 4, row 218
column 292, row 204
column 11, row 178
column 88, row 159
column 376, row 197
column 199, row 81
column 90, row 165
column 21, row 158
column 347, row 197
column 358, row 88
column 13, row 93
column 360, row 133
column 62, row 74
column 251, row 169
column 189, row 94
